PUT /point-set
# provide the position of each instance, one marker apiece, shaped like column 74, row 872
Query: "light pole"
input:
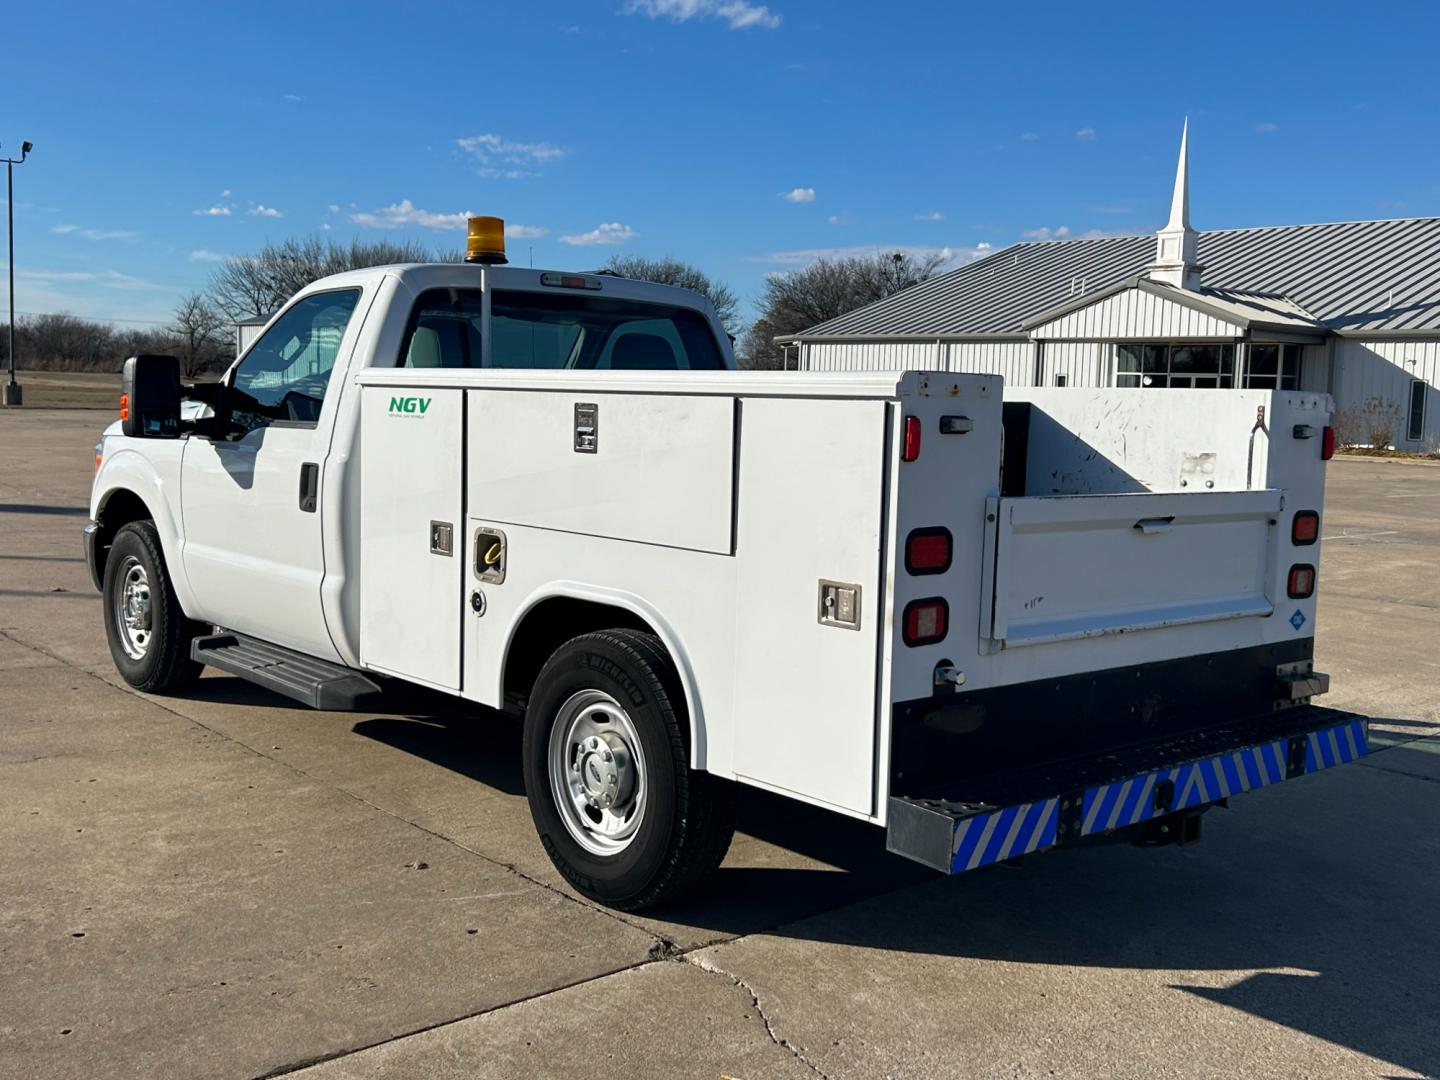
column 13, row 394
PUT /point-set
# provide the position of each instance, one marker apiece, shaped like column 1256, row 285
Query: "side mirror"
column 150, row 397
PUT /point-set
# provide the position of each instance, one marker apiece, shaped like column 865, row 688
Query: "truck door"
column 251, row 499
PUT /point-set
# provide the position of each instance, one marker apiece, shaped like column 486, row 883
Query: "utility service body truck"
column 991, row 621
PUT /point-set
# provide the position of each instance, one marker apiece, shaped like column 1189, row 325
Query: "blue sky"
column 743, row 138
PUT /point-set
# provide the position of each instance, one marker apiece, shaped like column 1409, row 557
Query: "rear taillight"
column 1302, row 581
column 1327, row 443
column 1305, row 528
column 927, row 551
column 926, row 621
column 911, row 449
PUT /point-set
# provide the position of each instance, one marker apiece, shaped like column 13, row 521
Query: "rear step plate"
column 317, row 683
column 1067, row 802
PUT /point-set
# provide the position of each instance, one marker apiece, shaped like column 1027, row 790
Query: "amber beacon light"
column 485, row 241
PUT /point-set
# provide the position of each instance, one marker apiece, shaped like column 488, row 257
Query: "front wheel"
column 621, row 814
column 149, row 635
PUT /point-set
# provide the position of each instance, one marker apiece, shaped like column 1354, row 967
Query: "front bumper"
column 92, row 563
column 1071, row 801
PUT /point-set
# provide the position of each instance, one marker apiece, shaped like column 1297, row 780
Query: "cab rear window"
column 540, row 330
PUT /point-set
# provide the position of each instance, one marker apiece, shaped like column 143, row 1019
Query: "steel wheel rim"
column 132, row 608
column 597, row 772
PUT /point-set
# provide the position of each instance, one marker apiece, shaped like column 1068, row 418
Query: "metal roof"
column 1353, row 276
column 1259, row 310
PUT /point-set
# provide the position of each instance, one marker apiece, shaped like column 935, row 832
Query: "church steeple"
column 1175, row 244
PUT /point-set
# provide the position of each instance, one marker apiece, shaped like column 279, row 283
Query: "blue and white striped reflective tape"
column 997, row 835
column 1004, row 834
column 1335, row 746
column 1196, row 783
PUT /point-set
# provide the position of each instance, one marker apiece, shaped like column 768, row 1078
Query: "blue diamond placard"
column 1298, row 619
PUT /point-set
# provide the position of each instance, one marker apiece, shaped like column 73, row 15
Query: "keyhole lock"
column 477, row 602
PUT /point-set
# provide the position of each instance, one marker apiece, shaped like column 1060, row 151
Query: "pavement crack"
column 709, row 966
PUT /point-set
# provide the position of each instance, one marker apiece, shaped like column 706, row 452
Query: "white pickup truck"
column 991, row 621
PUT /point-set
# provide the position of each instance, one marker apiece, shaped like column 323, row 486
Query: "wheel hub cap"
column 132, row 608
column 597, row 774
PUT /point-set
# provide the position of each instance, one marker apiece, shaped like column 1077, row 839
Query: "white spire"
column 1175, row 244
column 1180, row 200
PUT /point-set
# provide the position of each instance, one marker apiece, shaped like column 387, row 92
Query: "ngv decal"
column 409, row 406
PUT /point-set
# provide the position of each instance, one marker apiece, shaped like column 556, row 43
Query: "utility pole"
column 13, row 393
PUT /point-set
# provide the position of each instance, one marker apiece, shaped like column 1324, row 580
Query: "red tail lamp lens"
column 1305, row 528
column 926, row 621
column 1327, row 444
column 911, row 450
column 1302, row 581
column 927, row 551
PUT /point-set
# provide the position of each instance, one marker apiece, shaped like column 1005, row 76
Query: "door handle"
column 309, row 486
column 1151, row 526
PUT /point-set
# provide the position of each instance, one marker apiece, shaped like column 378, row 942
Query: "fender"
column 636, row 605
column 157, row 484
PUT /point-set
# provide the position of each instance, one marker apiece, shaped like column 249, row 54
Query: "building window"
column 1160, row 364
column 1415, row 429
column 1272, row 367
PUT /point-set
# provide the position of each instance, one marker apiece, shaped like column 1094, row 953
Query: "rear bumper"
column 1070, row 802
column 92, row 539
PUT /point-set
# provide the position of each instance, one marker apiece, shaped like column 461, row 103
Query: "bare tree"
column 825, row 290
column 259, row 284
column 198, row 332
column 671, row 271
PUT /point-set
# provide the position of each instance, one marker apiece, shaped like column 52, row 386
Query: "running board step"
column 317, row 683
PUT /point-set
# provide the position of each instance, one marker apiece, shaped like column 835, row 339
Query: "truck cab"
column 991, row 622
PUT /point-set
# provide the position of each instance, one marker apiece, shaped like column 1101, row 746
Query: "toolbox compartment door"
column 1067, row 567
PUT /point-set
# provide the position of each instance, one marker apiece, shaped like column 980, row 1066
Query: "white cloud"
column 261, row 210
column 933, row 215
column 736, row 14
column 1046, row 233
column 1028, row 136
column 500, row 157
column 792, row 260
column 334, row 208
column 1266, row 127
column 325, row 227
column 525, row 232
column 213, row 211
column 292, row 98
column 984, row 245
column 225, row 194
column 1086, row 134
column 206, row 255
column 398, row 215
column 611, row 232
column 833, row 219
column 799, row 195
column 96, row 234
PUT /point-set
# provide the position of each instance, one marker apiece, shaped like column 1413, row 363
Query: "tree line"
column 201, row 331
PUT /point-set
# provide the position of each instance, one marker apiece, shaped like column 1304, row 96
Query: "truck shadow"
column 1310, row 905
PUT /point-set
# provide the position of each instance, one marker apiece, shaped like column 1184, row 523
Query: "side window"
column 286, row 372
column 444, row 330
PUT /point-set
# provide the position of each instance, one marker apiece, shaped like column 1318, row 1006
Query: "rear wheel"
column 149, row 635
column 620, row 812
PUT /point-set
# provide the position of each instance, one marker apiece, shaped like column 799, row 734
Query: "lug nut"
column 607, row 756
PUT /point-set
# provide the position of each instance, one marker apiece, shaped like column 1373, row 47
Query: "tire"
column 149, row 635
column 615, row 695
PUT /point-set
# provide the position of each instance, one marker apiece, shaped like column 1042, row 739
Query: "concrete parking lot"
column 224, row 885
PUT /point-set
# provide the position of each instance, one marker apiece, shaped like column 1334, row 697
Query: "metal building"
column 1351, row 308
column 247, row 330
